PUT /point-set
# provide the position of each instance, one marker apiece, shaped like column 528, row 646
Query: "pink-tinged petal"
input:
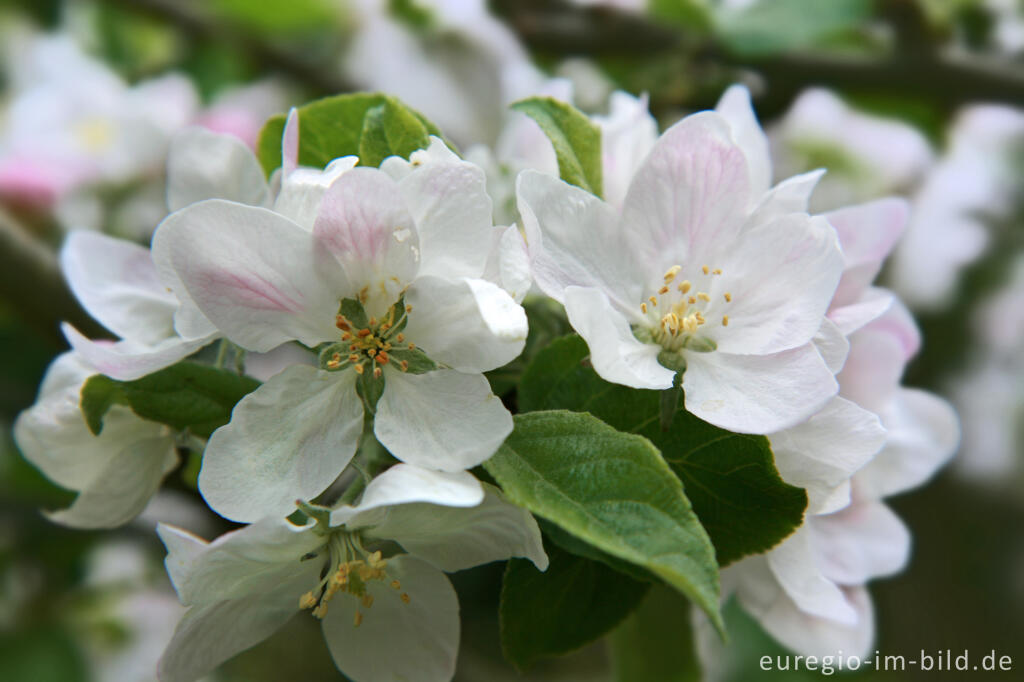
column 735, row 107
column 303, row 189
column 128, row 360
column 757, row 393
column 448, row 201
column 864, row 541
column 822, row 453
column 290, row 143
column 871, row 305
column 615, row 353
column 879, row 353
column 780, row 278
column 206, row 165
column 289, row 439
column 116, row 281
column 867, row 233
column 692, row 193
column 256, row 275
column 575, row 239
column 924, row 433
column 363, row 222
column 469, row 324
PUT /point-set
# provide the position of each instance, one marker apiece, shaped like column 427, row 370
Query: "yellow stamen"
column 396, row 585
column 404, row 597
column 663, row 290
column 307, row 601
column 705, row 269
column 358, row 369
column 653, row 301
column 671, row 273
column 725, row 320
column 358, row 620
column 728, row 297
column 703, row 296
column 685, row 286
column 643, row 308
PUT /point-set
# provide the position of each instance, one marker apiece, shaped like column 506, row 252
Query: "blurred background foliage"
column 915, row 61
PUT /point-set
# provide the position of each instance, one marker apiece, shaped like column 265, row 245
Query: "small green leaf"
column 572, row 544
column 730, row 478
column 184, row 396
column 612, row 490
column 99, row 394
column 353, row 311
column 656, row 641
column 334, row 126
column 390, row 129
column 576, row 139
column 419, row 362
column 573, row 602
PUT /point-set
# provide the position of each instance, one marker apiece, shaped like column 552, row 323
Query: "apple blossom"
column 115, row 473
column 701, row 272
column 384, row 618
column 387, row 284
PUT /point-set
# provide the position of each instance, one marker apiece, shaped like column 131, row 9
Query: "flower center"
column 680, row 313
column 369, row 344
column 351, row 568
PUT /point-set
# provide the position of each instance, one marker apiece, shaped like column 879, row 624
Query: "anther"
column 728, row 297
column 705, row 269
column 703, row 296
column 671, row 273
column 404, row 597
column 358, row 620
column 347, row 336
column 377, row 372
column 412, row 346
column 691, row 300
column 371, row 352
column 341, row 323
column 684, row 287
column 396, row 585
column 404, row 365
column 663, row 290
column 307, row 601
column 363, row 333
column 400, row 338
column 382, row 358
column 725, row 320
column 367, row 600
column 643, row 308
column 653, row 301
column 408, row 308
column 358, row 369
column 373, row 321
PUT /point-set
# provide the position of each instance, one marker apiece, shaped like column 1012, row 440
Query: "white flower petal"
column 116, row 282
column 128, row 360
column 872, row 304
column 289, row 439
column 205, row 165
column 253, row 273
column 757, row 393
column 448, row 201
column 575, row 239
column 417, row 640
column 302, row 190
column 628, row 134
column 403, row 484
column 238, row 564
column 924, row 432
column 441, row 420
column 121, row 490
column 781, row 277
column 823, row 452
column 691, row 193
column 789, row 196
column 864, row 541
column 616, row 354
column 290, row 142
column 793, row 565
column 365, row 225
column 470, row 324
column 453, row 539
column 210, row 634
column 832, row 344
column 735, row 107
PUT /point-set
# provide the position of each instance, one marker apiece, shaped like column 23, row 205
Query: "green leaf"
column 572, row 544
column 573, row 602
column 766, row 28
column 730, row 478
column 184, row 396
column 390, row 129
column 576, row 139
column 612, row 490
column 335, row 126
column 656, row 641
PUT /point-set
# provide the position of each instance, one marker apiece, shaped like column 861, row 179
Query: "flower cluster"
column 379, row 299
